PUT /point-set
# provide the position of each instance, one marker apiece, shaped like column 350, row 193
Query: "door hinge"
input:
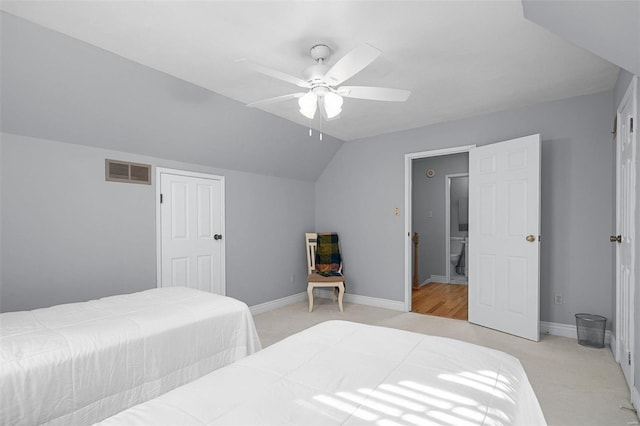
column 631, row 124
column 160, row 198
column 629, row 358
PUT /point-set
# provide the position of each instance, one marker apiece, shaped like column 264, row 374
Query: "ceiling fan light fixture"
column 332, row 104
column 308, row 105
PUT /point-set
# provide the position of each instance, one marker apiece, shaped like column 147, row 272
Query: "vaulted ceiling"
column 458, row 58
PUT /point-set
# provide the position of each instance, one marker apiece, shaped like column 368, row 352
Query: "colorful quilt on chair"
column 328, row 258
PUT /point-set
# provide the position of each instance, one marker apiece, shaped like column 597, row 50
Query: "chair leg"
column 340, row 295
column 310, row 293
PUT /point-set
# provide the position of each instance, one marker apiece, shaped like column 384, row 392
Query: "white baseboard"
column 278, row 303
column 568, row 330
column 425, row 282
column 442, row 279
column 612, row 344
column 437, row 279
column 635, row 398
column 326, row 293
column 365, row 300
column 433, row 279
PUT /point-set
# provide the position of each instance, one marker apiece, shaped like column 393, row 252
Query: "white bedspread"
column 342, row 373
column 82, row 362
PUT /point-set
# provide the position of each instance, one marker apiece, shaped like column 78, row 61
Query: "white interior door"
column 625, row 216
column 191, row 230
column 504, row 228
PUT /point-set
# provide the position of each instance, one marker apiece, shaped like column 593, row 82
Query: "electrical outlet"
column 396, row 211
column 558, row 299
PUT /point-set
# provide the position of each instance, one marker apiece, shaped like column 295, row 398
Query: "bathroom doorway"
column 439, row 218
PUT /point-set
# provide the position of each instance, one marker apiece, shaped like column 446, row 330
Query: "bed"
column 343, row 373
column 82, row 362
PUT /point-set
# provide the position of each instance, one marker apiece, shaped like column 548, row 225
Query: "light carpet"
column 575, row 385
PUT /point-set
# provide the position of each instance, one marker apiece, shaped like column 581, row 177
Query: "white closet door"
column 191, row 217
column 504, row 228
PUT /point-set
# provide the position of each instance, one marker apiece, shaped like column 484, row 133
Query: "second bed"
column 343, row 373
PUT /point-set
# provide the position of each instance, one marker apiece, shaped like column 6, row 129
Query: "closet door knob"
column 217, row 237
column 530, row 238
column 615, row 238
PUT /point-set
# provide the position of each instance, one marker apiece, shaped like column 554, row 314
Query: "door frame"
column 221, row 179
column 447, row 222
column 631, row 91
column 408, row 193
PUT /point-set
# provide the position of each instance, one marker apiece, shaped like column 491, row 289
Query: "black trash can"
column 591, row 329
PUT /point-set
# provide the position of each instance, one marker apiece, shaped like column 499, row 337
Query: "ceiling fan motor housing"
column 320, row 52
column 315, row 73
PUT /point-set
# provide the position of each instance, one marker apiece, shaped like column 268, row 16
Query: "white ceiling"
column 459, row 58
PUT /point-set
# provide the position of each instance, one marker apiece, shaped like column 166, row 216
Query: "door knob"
column 217, row 237
column 615, row 238
column 530, row 238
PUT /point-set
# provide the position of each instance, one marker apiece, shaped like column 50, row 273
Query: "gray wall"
column 65, row 242
column 428, row 195
column 365, row 181
column 68, row 235
column 624, row 78
column 59, row 88
column 610, row 29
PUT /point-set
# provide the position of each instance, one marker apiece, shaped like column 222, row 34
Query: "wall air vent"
column 122, row 171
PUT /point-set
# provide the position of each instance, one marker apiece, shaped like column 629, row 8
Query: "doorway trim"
column 447, row 222
column 408, row 193
column 159, row 171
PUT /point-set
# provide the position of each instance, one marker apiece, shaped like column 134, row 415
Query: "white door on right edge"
column 625, row 209
column 504, row 229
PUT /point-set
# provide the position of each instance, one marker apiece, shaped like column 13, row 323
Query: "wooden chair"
column 316, row 280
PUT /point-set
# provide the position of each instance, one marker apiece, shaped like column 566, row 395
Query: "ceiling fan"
column 322, row 83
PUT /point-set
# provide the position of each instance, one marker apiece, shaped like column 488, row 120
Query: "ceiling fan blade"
column 277, row 74
column 374, row 93
column 276, row 99
column 351, row 64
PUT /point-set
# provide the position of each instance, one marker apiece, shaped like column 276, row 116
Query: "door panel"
column 516, row 272
column 487, row 281
column 504, row 208
column 179, row 272
column 205, row 208
column 191, row 214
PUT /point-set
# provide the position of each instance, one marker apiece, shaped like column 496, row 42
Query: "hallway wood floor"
column 443, row 300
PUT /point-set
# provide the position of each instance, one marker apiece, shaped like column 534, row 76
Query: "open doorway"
column 440, row 194
column 439, row 226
